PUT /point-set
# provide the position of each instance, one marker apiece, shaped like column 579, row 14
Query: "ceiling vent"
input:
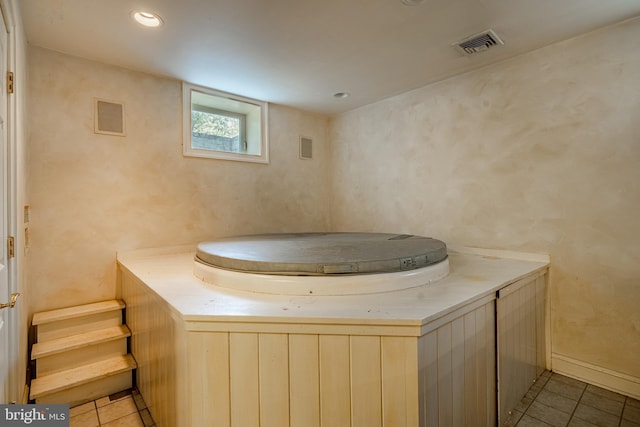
column 479, row 42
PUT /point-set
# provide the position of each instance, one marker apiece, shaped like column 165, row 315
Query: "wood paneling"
column 521, row 340
column 541, row 332
column 457, row 375
column 366, row 382
column 335, row 395
column 470, row 410
column 274, row 380
column 244, row 380
column 304, row 380
column 399, row 381
column 209, row 360
column 428, row 379
column 153, row 344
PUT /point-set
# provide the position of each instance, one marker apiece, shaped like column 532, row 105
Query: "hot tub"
column 321, row 263
column 210, row 354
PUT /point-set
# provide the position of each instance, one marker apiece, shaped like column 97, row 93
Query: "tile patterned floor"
column 559, row 401
column 554, row 400
column 125, row 409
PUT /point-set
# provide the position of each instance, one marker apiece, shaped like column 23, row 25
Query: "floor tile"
column 512, row 419
column 605, row 393
column 569, row 381
column 542, row 380
column 524, row 403
column 102, row 401
column 564, row 401
column 572, row 391
column 126, row 408
column 557, row 401
column 537, row 386
column 86, row 419
column 140, row 404
column 527, row 421
column 596, row 416
column 577, row 422
column 146, row 418
column 131, row 420
column 631, row 413
column 613, row 407
column 107, row 400
column 117, row 409
column 81, row 409
column 547, row 414
column 532, row 394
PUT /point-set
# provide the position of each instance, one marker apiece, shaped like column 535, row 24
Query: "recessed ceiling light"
column 341, row 95
column 412, row 2
column 148, row 19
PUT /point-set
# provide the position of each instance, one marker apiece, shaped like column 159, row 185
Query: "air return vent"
column 479, row 42
column 306, row 148
column 108, row 117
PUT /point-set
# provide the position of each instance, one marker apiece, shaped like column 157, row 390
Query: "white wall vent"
column 479, row 42
column 108, row 117
column 306, row 148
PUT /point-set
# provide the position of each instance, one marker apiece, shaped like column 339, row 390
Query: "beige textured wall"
column 540, row 153
column 92, row 195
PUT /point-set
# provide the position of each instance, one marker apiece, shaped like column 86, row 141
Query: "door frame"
column 17, row 367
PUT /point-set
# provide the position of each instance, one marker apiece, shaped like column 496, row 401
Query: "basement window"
column 221, row 125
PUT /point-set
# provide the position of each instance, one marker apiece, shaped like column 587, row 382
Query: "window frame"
column 187, row 146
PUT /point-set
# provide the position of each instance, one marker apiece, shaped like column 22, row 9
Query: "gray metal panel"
column 322, row 253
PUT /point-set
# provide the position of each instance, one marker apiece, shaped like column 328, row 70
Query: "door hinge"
column 11, row 247
column 9, row 81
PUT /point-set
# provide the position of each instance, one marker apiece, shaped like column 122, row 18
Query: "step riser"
column 90, row 391
column 78, row 325
column 65, row 360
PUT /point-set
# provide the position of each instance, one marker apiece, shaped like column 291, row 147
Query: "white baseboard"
column 596, row 375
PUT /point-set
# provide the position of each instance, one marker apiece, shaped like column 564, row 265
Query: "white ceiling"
column 301, row 52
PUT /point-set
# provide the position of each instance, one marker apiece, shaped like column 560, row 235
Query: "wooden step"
column 91, row 391
column 73, row 342
column 45, row 317
column 66, row 322
column 63, row 380
column 80, row 356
